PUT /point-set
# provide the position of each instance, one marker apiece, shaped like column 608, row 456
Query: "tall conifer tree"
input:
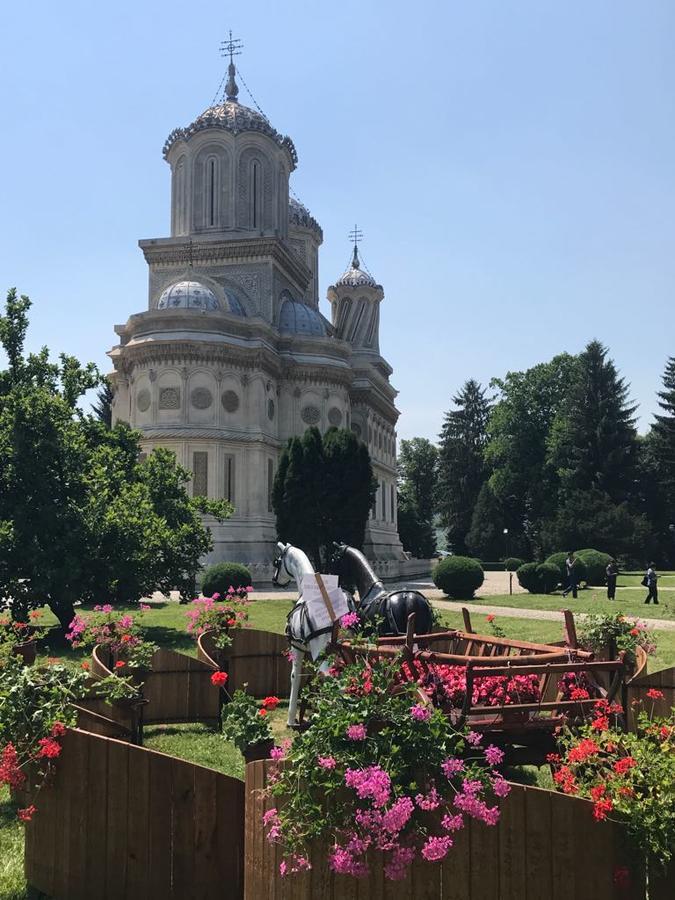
column 664, row 426
column 461, row 469
column 595, row 445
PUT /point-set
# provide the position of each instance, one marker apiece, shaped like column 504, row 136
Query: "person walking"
column 571, row 569
column 649, row 581
column 611, row 571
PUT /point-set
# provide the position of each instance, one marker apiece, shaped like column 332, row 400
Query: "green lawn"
column 589, row 600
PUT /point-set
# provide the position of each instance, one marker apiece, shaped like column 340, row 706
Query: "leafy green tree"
column 594, row 442
column 418, row 474
column 522, row 477
column 461, row 464
column 80, row 517
column 593, row 518
column 102, row 408
column 417, row 534
column 486, row 537
column 323, row 492
column 418, row 477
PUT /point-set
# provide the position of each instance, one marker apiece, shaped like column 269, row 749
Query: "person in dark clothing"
column 612, row 571
column 571, row 569
column 651, row 578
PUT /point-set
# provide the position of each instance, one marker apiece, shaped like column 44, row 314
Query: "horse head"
column 281, row 576
column 399, row 604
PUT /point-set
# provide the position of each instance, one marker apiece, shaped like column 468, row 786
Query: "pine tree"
column 103, row 406
column 594, row 445
column 461, row 467
column 418, row 479
column 486, row 537
column 664, row 426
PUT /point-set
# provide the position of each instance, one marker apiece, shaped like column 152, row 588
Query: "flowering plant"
column 14, row 633
column 121, row 635
column 35, row 708
column 599, row 632
column 219, row 614
column 446, row 685
column 379, row 769
column 628, row 776
column 246, row 722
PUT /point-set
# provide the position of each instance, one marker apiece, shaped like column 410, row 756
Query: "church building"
column 232, row 355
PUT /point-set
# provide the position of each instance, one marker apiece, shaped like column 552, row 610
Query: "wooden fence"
column 255, row 658
column 120, row 822
column 663, row 681
column 547, row 846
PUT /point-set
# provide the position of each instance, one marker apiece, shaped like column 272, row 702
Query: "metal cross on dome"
column 355, row 235
column 231, row 48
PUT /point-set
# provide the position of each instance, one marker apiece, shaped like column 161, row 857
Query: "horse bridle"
column 278, row 563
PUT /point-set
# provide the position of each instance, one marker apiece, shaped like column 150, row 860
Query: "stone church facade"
column 233, row 356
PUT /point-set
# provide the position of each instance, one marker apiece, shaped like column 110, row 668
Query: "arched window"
column 343, row 315
column 256, row 191
column 179, row 198
column 211, row 193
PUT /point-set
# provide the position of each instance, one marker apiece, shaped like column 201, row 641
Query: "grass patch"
column 12, row 881
column 590, row 600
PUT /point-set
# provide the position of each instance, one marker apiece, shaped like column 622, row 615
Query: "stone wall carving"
column 143, row 400
column 311, row 415
column 169, row 398
column 230, row 401
column 270, row 409
column 201, row 398
column 335, row 416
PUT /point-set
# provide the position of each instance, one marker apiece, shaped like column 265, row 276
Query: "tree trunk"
column 64, row 612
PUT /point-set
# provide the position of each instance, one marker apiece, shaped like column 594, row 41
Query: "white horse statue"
column 303, row 634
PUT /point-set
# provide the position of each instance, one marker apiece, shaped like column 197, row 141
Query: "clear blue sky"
column 512, row 165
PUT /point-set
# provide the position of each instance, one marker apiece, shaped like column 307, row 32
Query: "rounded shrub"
column 595, row 562
column 458, row 576
column 218, row 578
column 512, row 563
column 548, row 576
column 527, row 577
column 558, row 559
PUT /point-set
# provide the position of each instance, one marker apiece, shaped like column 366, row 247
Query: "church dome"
column 231, row 116
column 195, row 295
column 298, row 318
column 298, row 214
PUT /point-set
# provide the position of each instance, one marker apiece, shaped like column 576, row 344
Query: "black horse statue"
column 390, row 608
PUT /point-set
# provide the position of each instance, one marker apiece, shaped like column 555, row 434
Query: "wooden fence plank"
column 183, row 787
column 456, row 868
column 512, row 870
column 96, row 806
column 117, row 806
column 66, row 775
column 484, row 861
column 538, row 843
column 160, row 828
column 564, row 838
column 138, row 817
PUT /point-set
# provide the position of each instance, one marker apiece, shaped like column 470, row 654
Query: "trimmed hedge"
column 512, row 563
column 596, row 563
column 458, row 576
column 528, row 578
column 217, row 579
column 548, row 576
column 558, row 559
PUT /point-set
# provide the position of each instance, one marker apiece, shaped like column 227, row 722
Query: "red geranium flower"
column 58, row 729
column 491, row 617
column 25, row 815
column 654, row 694
column 262, row 712
column 218, row 679
column 621, row 766
column 49, row 748
column 270, row 702
column 120, row 664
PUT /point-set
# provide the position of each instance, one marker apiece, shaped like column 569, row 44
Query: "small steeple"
column 356, row 235
column 231, row 48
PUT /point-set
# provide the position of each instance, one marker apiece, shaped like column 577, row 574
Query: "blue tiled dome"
column 298, row 318
column 194, row 295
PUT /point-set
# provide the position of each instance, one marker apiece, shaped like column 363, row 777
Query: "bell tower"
column 355, row 303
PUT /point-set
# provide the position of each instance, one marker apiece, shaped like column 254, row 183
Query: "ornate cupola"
column 355, row 301
column 229, row 169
